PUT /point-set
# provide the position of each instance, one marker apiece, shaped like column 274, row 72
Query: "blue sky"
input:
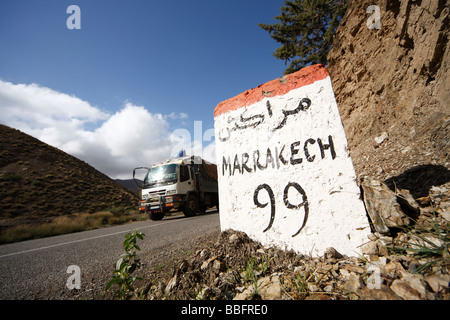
column 118, row 91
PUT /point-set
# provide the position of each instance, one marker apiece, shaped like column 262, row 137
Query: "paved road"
column 37, row 269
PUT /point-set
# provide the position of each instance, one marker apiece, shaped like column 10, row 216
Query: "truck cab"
column 178, row 184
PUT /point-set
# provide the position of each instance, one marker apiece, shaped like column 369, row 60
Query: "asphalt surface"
column 38, row 269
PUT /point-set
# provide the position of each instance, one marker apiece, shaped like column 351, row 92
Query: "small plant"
column 254, row 269
column 127, row 264
column 251, row 274
column 301, row 283
column 426, row 241
column 117, row 211
column 250, row 270
column 265, row 264
column 301, row 280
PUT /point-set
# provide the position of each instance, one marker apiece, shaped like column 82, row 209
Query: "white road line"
column 80, row 240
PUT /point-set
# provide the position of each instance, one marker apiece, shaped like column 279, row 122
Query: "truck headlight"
column 168, row 192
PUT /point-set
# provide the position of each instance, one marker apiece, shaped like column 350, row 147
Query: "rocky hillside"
column 392, row 86
column 38, row 181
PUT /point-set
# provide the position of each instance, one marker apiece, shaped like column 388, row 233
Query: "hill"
column 38, row 182
column 130, row 184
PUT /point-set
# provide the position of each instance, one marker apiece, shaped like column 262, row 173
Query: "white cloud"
column 40, row 106
column 175, row 116
column 131, row 137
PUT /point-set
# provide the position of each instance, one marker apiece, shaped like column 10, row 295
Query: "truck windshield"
column 161, row 175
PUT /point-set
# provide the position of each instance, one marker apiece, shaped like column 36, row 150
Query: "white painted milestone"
column 286, row 178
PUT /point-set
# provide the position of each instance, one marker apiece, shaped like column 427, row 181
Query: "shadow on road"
column 180, row 215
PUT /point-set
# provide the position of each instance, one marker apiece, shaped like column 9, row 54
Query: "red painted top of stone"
column 277, row 87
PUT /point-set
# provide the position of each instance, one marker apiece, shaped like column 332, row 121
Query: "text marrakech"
column 287, row 154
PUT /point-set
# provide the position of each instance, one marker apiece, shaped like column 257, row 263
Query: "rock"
column 385, row 240
column 376, row 247
column 416, row 283
column 247, row 294
column 438, row 283
column 424, row 241
column 370, row 248
column 406, row 150
column 373, row 236
column 324, row 268
column 382, row 250
column 231, row 278
column 240, row 289
column 171, row 284
column 160, row 290
column 355, row 268
column 382, row 206
column 184, row 265
column 446, row 214
column 344, row 274
column 328, row 288
column 313, row 287
column 318, row 297
column 381, row 138
column 234, row 238
column 353, row 284
column 260, row 251
column 393, row 268
column 384, row 293
column 204, row 253
column 331, row 253
column 219, row 266
column 438, row 190
column 403, row 289
column 406, row 200
column 269, row 288
column 206, row 263
column 204, row 293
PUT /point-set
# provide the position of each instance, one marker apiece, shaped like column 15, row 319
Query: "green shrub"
column 124, row 268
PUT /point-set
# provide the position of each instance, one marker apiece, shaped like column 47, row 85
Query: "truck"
column 187, row 184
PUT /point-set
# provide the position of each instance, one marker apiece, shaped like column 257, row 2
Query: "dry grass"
column 427, row 241
column 68, row 224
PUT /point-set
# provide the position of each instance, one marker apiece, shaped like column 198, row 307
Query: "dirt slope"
column 392, row 87
column 38, row 181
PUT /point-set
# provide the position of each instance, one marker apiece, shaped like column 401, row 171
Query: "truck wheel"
column 156, row 215
column 202, row 207
column 191, row 206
